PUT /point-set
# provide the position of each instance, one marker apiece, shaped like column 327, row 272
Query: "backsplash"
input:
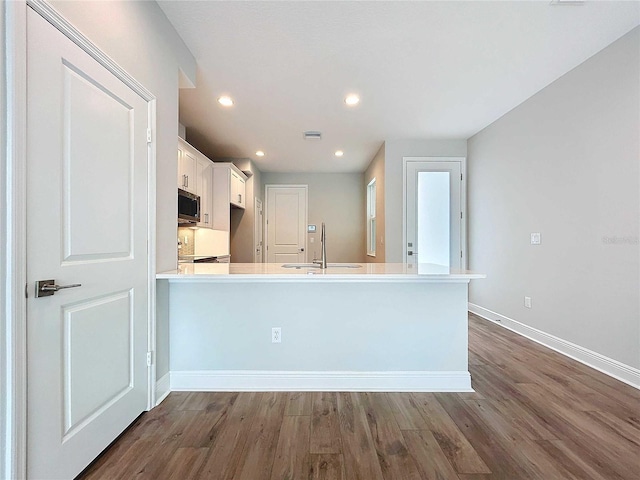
column 186, row 236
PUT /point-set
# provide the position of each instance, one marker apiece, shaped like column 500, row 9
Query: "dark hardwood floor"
column 535, row 415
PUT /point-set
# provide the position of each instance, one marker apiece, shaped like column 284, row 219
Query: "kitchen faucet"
column 323, row 240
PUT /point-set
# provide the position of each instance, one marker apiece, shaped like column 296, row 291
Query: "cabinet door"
column 187, row 171
column 221, row 213
column 241, row 192
column 180, row 175
column 237, row 190
column 205, row 184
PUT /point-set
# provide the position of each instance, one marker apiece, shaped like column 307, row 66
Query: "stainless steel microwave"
column 188, row 207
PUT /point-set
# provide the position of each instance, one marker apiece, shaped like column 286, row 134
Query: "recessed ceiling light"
column 339, row 153
column 225, row 101
column 352, row 99
column 260, row 153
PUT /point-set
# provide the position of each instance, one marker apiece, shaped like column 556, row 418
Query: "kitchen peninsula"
column 367, row 327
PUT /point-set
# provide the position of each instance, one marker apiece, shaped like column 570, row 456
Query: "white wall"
column 139, row 37
column 565, row 163
column 4, row 326
column 394, row 151
column 338, row 199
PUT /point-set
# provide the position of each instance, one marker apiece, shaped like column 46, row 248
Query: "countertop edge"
column 264, row 278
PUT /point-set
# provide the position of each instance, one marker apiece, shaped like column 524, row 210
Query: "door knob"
column 46, row 288
column 302, row 250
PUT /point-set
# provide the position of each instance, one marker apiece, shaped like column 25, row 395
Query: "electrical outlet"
column 535, row 239
column 527, row 302
column 276, row 335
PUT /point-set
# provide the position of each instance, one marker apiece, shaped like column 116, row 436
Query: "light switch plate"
column 535, row 239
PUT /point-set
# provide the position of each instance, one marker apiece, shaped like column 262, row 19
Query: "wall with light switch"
column 554, row 211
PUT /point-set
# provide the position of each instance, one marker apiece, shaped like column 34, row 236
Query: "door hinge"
column 148, row 135
column 460, row 253
column 149, row 358
column 26, row 290
column 460, row 177
column 460, row 215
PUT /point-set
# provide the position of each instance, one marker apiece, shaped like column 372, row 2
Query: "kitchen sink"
column 315, row 265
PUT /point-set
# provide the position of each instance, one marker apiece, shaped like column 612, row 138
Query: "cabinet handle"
column 187, row 177
column 184, row 180
column 206, row 218
column 239, row 198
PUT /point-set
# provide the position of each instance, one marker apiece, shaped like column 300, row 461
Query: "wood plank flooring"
column 535, row 415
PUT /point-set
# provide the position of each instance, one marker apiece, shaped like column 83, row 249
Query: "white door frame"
column 463, row 200
column 265, row 214
column 257, row 201
column 13, row 376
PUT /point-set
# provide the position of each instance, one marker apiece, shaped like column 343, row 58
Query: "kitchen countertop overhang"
column 264, row 272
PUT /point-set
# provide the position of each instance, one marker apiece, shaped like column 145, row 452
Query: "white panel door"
column 87, row 174
column 286, row 224
column 434, row 214
column 257, row 234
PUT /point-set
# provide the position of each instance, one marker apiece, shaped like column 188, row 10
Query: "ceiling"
column 422, row 70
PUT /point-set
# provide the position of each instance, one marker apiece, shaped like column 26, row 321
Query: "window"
column 371, row 218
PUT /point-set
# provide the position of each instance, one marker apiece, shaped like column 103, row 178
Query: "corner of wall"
column 376, row 169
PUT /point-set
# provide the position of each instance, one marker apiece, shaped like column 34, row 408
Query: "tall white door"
column 434, row 215
column 286, row 223
column 257, row 235
column 87, row 174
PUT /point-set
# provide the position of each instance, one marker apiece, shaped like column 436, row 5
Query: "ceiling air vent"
column 567, row 2
column 312, row 135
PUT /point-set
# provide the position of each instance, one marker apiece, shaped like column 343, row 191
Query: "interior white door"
column 258, row 226
column 434, row 214
column 286, row 223
column 87, row 174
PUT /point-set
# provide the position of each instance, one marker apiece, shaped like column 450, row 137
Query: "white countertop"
column 225, row 272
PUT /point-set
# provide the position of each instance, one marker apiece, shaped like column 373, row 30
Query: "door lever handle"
column 46, row 288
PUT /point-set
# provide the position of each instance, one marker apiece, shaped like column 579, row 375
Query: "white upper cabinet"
column 237, row 189
column 228, row 190
column 195, row 175
column 187, row 168
column 219, row 185
column 205, row 190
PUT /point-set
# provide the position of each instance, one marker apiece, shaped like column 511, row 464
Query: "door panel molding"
column 268, row 188
column 13, row 351
column 463, row 200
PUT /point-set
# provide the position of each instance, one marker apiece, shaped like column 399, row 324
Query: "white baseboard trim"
column 293, row 381
column 163, row 388
column 606, row 365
